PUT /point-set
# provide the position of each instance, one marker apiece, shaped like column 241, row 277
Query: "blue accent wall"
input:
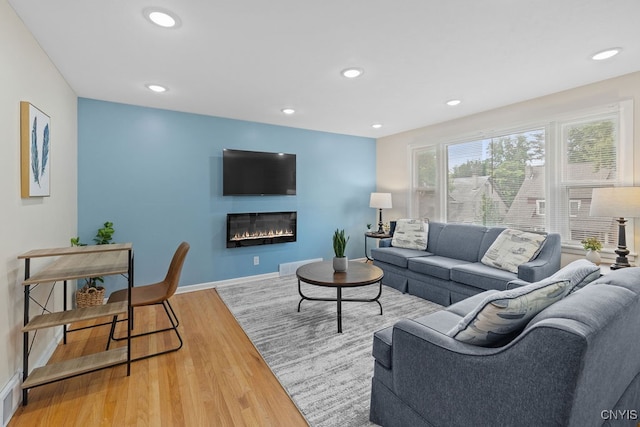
column 157, row 175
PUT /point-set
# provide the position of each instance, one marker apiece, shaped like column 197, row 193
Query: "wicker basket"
column 89, row 297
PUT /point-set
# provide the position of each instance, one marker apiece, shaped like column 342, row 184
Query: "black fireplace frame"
column 253, row 219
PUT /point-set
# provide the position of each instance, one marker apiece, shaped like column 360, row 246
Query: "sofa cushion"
column 460, row 241
column 435, row 266
column 411, row 234
column 481, row 276
column 382, row 346
column 628, row 278
column 512, row 248
column 441, row 321
column 467, row 305
column 396, row 256
column 503, row 314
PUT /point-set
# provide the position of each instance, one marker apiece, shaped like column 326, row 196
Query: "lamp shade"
column 380, row 200
column 616, row 202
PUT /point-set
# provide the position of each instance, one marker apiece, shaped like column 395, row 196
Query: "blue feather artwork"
column 45, row 148
column 35, row 151
column 35, row 164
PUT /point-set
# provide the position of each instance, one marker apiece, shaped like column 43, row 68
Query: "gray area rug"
column 327, row 374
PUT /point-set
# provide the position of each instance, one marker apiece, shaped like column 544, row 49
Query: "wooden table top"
column 76, row 262
column 322, row 274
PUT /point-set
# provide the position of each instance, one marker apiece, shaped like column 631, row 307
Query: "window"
column 536, row 178
column 425, row 183
column 491, row 180
column 589, row 160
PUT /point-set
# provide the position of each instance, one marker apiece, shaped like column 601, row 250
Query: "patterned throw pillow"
column 502, row 314
column 579, row 272
column 411, row 234
column 512, row 248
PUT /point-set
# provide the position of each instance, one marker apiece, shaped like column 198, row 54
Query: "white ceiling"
column 248, row 59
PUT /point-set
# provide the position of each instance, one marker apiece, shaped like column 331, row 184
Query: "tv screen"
column 258, row 173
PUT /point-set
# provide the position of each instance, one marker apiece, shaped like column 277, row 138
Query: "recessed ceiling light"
column 352, row 73
column 453, row 102
column 156, row 88
column 288, row 111
column 376, row 125
column 606, row 54
column 162, row 17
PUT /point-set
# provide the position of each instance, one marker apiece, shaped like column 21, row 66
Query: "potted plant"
column 91, row 293
column 592, row 245
column 340, row 261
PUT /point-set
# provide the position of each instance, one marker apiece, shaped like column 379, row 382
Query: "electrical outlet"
column 256, row 260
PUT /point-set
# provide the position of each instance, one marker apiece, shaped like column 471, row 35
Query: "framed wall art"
column 35, row 151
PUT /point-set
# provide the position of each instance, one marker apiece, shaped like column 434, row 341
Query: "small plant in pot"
column 592, row 245
column 340, row 261
column 91, row 293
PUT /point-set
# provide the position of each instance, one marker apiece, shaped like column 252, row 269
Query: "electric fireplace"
column 262, row 228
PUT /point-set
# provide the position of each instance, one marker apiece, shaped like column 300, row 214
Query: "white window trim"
column 553, row 174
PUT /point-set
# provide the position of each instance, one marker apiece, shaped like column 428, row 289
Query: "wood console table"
column 74, row 263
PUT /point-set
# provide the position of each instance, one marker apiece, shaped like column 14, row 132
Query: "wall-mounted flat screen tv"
column 246, row 173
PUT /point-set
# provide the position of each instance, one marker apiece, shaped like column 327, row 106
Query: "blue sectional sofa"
column 575, row 364
column 449, row 270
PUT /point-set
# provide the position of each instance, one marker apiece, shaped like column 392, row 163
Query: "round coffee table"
column 322, row 274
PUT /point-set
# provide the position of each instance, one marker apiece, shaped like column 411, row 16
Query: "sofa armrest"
column 448, row 382
column 545, row 264
column 517, row 283
column 384, row 243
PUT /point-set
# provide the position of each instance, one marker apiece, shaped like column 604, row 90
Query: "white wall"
column 392, row 169
column 27, row 74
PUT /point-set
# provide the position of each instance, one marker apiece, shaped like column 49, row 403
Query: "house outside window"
column 574, row 208
column 535, row 178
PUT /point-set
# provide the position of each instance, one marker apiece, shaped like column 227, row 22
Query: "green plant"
column 591, row 243
column 368, row 226
column 339, row 243
column 104, row 236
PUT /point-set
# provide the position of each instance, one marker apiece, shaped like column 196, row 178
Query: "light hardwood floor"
column 218, row 378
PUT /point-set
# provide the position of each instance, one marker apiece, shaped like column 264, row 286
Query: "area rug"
column 327, row 374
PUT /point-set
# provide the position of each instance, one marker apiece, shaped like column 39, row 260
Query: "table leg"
column 339, row 299
column 302, row 297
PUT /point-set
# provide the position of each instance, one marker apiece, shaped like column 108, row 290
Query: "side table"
column 367, row 236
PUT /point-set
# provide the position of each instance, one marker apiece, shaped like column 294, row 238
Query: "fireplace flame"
column 261, row 234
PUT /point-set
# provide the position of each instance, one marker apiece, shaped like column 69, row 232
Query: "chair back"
column 175, row 268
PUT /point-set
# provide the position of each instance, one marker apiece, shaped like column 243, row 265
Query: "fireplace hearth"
column 261, row 228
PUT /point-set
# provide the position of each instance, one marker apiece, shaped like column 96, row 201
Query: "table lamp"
column 618, row 202
column 380, row 201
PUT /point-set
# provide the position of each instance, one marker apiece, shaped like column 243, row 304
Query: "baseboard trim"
column 236, row 281
column 227, row 282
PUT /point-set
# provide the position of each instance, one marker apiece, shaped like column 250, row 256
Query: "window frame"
column 553, row 170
